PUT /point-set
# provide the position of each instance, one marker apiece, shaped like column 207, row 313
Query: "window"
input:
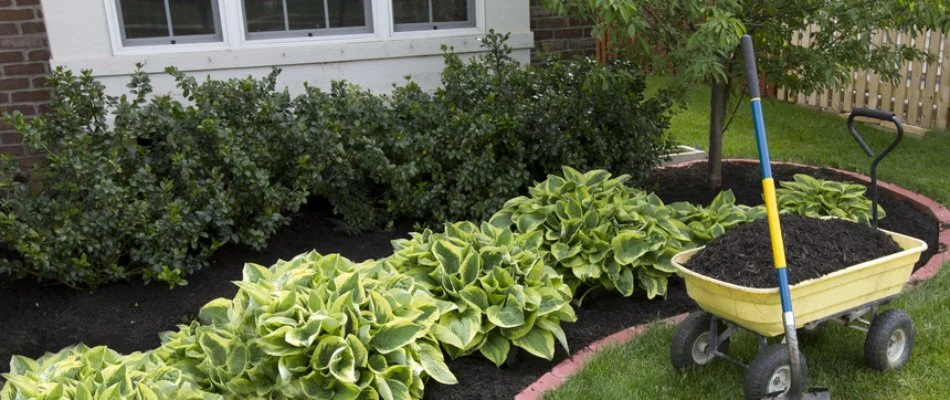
column 288, row 18
column 144, row 22
column 415, row 15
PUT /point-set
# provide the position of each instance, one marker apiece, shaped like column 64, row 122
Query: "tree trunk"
column 717, row 117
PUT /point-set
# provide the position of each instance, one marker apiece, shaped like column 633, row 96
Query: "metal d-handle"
column 883, row 116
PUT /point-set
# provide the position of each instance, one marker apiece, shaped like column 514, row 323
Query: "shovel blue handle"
column 771, row 207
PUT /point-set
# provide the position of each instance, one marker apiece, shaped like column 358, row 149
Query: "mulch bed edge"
column 567, row 368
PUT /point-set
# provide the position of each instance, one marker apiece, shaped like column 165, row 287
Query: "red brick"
column 25, row 69
column 11, row 57
column 39, row 55
column 30, row 96
column 27, row 2
column 39, row 82
column 569, row 33
column 4, row 98
column 13, row 149
column 579, row 22
column 543, row 34
column 14, row 83
column 6, row 3
column 552, row 45
column 25, row 109
column 43, row 108
column 551, row 22
column 8, row 29
column 16, row 15
column 32, row 27
column 11, row 138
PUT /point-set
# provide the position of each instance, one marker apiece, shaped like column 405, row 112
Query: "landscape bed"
column 128, row 316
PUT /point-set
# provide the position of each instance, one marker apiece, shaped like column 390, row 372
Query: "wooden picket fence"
column 921, row 98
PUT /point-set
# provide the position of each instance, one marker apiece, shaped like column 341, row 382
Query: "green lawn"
column 804, row 135
column 641, row 369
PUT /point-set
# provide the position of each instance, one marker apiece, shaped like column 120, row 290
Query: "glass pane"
column 264, row 15
column 410, row 11
column 144, row 18
column 344, row 13
column 190, row 17
column 449, row 10
column 306, row 14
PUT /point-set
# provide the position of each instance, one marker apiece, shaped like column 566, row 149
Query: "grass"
column 641, row 369
column 804, row 135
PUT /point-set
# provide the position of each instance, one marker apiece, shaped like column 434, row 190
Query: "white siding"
column 83, row 35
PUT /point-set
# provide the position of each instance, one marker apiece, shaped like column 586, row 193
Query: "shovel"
column 775, row 232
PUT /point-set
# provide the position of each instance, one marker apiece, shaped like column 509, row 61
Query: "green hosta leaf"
column 538, row 342
column 475, row 296
column 449, row 256
column 495, row 348
column 324, row 351
column 434, row 364
column 395, row 335
column 653, row 284
column 444, row 335
column 528, row 222
column 215, row 346
column 215, row 312
column 275, row 343
column 471, row 268
column 561, row 251
column 521, row 330
column 555, row 328
column 255, row 273
column 343, row 365
column 507, row 315
column 462, row 325
column 625, row 282
column 629, row 246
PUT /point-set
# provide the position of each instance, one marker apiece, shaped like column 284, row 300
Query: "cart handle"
column 883, row 116
column 880, row 115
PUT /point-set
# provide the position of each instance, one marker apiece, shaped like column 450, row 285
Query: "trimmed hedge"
column 149, row 186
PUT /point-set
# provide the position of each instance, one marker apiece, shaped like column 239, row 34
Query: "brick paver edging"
column 552, row 379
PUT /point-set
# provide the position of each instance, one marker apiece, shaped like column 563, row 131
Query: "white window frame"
column 368, row 6
column 438, row 26
column 234, row 38
column 171, row 39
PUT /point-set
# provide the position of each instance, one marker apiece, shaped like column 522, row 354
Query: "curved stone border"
column 552, row 379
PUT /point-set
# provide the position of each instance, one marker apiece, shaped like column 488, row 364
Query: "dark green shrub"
column 157, row 190
column 348, row 128
column 495, row 127
column 150, row 185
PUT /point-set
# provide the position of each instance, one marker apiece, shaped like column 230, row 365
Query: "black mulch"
column 813, row 248
column 127, row 317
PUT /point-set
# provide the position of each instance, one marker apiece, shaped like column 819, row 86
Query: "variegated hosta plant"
column 99, row 373
column 315, row 327
column 708, row 223
column 814, row 198
column 599, row 231
column 497, row 287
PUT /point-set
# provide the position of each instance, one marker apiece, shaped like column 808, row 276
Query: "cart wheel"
column 890, row 340
column 690, row 346
column 770, row 373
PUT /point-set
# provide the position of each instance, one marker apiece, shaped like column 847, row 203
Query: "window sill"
column 279, row 52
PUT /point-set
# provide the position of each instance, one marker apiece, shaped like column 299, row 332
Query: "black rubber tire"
column 765, row 364
column 883, row 327
column 689, row 331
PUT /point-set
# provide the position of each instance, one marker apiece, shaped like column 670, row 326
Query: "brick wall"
column 24, row 61
column 556, row 34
